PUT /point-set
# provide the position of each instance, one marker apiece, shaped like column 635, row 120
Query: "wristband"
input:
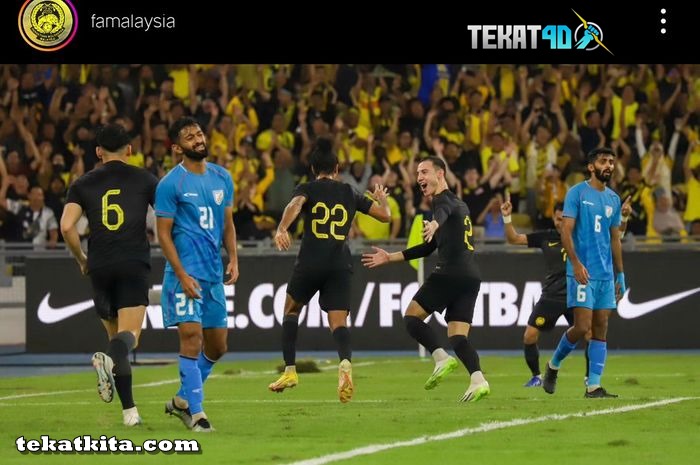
column 507, row 219
column 620, row 279
column 624, row 218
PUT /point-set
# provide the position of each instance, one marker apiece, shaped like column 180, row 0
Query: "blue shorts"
column 596, row 295
column 209, row 311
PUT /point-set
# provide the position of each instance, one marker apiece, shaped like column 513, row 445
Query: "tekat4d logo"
column 48, row 25
column 586, row 36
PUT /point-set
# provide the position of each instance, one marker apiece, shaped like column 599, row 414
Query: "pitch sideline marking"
column 483, row 428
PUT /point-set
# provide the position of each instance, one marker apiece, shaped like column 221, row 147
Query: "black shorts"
column 546, row 313
column 456, row 293
column 119, row 286
column 334, row 286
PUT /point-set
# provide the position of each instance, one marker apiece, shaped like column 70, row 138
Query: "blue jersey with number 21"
column 196, row 203
column 595, row 213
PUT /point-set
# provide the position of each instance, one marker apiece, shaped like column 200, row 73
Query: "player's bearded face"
column 193, row 143
column 197, row 152
column 603, row 175
column 603, row 168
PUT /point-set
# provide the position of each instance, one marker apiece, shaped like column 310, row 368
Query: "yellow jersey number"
column 337, row 211
column 468, row 232
column 112, row 207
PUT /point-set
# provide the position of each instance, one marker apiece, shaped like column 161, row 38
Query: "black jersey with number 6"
column 328, row 213
column 115, row 199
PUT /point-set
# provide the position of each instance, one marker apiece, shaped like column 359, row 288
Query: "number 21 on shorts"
column 184, row 305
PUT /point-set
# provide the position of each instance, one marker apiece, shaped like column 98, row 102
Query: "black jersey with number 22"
column 328, row 213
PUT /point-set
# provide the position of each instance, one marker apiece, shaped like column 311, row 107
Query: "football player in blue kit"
column 194, row 206
column 594, row 273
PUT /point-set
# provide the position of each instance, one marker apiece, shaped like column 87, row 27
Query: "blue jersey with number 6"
column 196, row 203
column 595, row 213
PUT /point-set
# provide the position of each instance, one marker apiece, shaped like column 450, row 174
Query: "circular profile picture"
column 48, row 25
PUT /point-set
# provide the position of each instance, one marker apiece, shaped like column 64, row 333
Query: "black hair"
column 437, row 162
column 179, row 125
column 113, row 137
column 322, row 158
column 595, row 153
column 559, row 206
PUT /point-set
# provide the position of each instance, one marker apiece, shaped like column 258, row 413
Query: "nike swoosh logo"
column 552, row 244
column 48, row 314
column 629, row 310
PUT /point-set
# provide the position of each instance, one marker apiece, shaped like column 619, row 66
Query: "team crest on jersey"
column 608, row 211
column 218, row 196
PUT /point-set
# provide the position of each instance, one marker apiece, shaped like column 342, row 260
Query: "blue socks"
column 205, row 366
column 597, row 353
column 191, row 384
column 563, row 349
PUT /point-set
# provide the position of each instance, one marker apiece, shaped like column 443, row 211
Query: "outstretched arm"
column 382, row 257
column 418, row 251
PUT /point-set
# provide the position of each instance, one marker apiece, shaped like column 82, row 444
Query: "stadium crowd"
column 525, row 129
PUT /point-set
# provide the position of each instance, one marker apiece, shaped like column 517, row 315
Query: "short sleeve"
column 617, row 214
column 301, row 189
column 571, row 203
column 535, row 239
column 166, row 199
column 74, row 195
column 229, row 193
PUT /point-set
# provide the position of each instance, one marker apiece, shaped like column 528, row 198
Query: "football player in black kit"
column 115, row 199
column 324, row 263
column 453, row 285
column 552, row 303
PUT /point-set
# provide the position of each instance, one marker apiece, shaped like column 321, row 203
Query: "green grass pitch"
column 255, row 426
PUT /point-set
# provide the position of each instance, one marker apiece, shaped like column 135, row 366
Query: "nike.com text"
column 105, row 445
